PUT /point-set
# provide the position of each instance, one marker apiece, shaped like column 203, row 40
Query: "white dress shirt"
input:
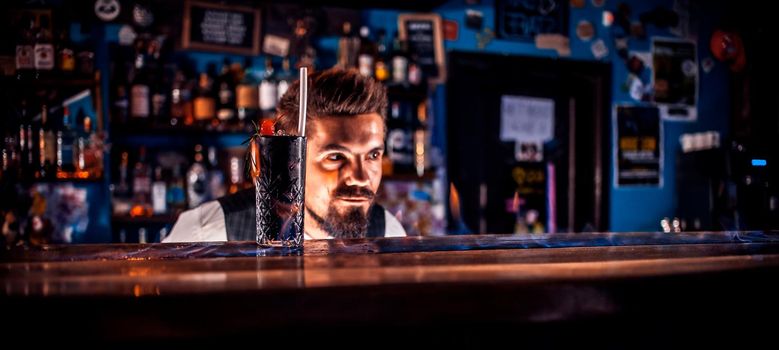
column 206, row 223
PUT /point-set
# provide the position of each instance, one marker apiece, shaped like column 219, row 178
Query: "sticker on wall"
column 707, row 64
column 275, row 45
column 638, row 150
column 529, row 151
column 675, row 79
column 585, row 31
column 474, row 19
column 484, row 37
column 636, row 88
column 599, row 49
column 107, row 10
column 598, row 3
column 451, row 30
column 557, row 42
column 127, row 35
column 608, row 19
column 526, row 118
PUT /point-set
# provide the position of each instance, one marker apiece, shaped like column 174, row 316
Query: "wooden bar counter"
column 611, row 288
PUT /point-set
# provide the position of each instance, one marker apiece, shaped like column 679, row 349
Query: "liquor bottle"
column 247, row 95
column 66, row 136
column 25, row 49
column 226, row 103
column 381, row 71
column 141, row 185
column 122, row 189
column 85, row 156
column 47, row 149
column 159, row 191
column 66, row 56
column 177, row 196
column 400, row 137
column 160, row 88
column 216, row 178
column 414, row 73
column 142, row 235
column 26, row 143
column 180, row 98
column 367, row 53
column 140, row 102
column 197, row 178
column 236, row 174
column 44, row 49
column 120, row 108
column 348, row 45
column 268, row 89
column 399, row 61
column 285, row 78
column 205, row 101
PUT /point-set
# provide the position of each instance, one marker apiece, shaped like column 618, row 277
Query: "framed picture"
column 423, row 33
column 220, row 27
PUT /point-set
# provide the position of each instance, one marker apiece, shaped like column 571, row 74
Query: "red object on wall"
column 728, row 47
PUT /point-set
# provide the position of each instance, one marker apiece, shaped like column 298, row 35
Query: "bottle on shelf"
column 268, row 89
column 177, row 196
column 159, row 191
column 247, row 94
column 197, row 178
column 399, row 60
column 236, row 174
column 226, row 103
column 400, row 137
column 180, row 99
column 367, row 53
column 216, row 178
column 122, row 189
column 25, row 48
column 66, row 56
column 205, row 100
column 66, row 136
column 140, row 91
column 141, row 186
column 381, row 71
column 160, row 88
column 285, row 78
column 44, row 49
column 47, row 147
column 348, row 46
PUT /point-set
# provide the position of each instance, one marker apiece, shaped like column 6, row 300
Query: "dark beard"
column 353, row 224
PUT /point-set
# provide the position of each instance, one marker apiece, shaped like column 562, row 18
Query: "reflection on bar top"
column 168, row 251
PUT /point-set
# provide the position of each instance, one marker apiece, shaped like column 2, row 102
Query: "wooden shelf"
column 428, row 176
column 162, row 219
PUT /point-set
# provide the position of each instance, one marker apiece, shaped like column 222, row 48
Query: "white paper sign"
column 526, row 118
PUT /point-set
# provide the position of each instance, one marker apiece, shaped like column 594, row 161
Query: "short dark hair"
column 332, row 92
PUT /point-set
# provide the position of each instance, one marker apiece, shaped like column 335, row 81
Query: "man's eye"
column 335, row 157
column 375, row 155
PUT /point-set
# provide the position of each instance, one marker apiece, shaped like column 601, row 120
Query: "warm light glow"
column 454, row 202
column 255, row 158
column 515, row 203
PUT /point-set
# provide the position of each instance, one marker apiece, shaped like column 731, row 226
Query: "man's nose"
column 356, row 174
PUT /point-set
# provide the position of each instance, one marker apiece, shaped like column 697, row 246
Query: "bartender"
column 345, row 131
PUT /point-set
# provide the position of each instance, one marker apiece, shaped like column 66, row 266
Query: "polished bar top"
column 391, row 281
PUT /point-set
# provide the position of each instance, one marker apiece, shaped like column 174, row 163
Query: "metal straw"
column 303, row 103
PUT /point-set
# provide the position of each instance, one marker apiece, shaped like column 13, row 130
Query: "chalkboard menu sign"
column 522, row 20
column 224, row 28
column 423, row 34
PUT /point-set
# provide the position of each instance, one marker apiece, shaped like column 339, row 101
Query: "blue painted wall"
column 631, row 209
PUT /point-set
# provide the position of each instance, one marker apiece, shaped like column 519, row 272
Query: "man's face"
column 343, row 172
